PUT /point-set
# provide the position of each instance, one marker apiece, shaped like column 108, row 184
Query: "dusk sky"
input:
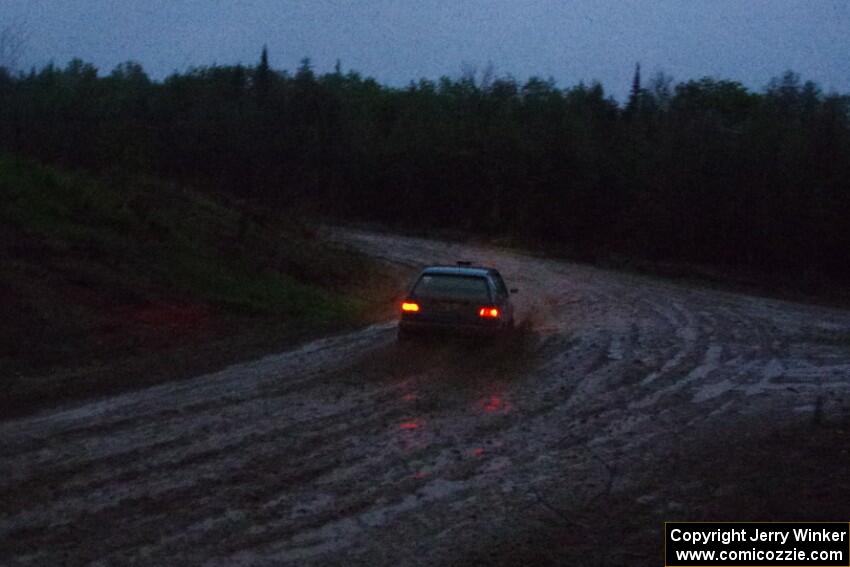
column 396, row 41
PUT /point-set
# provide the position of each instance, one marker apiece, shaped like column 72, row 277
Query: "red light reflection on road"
column 495, row 404
column 419, row 475
column 477, row 452
column 410, row 425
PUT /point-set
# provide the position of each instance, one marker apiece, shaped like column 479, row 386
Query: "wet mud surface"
column 622, row 401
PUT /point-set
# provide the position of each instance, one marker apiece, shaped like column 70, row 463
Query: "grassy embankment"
column 110, row 284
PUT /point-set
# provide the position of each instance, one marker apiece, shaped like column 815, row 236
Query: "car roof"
column 459, row 270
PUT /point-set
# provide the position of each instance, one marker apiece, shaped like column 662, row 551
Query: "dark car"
column 463, row 299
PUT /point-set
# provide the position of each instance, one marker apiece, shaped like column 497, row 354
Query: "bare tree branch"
column 13, row 42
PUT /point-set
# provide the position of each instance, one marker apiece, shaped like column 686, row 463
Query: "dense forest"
column 701, row 171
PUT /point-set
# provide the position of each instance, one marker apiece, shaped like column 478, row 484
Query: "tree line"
column 703, row 171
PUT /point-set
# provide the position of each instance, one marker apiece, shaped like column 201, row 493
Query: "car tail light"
column 489, row 312
column 410, row 307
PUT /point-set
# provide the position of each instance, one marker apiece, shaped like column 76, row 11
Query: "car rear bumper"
column 424, row 327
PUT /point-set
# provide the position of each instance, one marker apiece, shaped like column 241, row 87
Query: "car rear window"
column 445, row 286
column 500, row 283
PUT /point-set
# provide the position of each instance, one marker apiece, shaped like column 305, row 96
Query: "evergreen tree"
column 633, row 107
column 263, row 77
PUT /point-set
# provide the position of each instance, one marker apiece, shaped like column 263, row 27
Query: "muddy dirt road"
column 353, row 450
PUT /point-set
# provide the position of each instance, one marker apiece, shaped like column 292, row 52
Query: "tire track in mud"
column 356, row 449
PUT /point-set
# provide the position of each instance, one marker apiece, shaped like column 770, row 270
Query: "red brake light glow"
column 410, row 307
column 489, row 312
